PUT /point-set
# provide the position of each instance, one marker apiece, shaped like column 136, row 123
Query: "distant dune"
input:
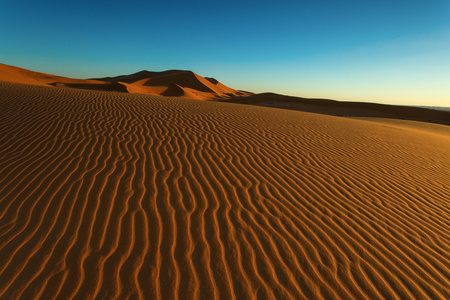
column 175, row 83
column 188, row 85
column 178, row 83
column 119, row 195
column 437, row 108
column 346, row 109
column 183, row 84
column 19, row 75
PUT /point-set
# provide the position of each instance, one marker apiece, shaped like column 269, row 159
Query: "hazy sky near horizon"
column 381, row 51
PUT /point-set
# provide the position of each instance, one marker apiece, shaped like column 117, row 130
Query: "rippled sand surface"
column 125, row 196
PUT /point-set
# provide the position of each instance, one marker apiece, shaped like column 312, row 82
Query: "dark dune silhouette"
column 346, row 109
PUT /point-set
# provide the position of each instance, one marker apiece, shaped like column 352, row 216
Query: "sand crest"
column 178, row 83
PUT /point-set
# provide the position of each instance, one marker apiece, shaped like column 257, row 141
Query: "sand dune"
column 177, row 83
column 128, row 196
column 346, row 109
column 188, row 85
column 173, row 83
column 15, row 74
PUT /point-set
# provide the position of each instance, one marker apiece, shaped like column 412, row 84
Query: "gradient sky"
column 379, row 51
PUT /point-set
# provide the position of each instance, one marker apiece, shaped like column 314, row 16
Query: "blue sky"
column 381, row 51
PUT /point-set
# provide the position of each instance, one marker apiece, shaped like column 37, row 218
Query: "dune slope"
column 346, row 109
column 186, row 84
column 172, row 83
column 19, row 75
column 127, row 196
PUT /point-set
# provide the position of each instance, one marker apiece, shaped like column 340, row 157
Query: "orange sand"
column 174, row 83
column 127, row 196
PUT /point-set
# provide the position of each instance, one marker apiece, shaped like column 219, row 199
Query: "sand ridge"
column 189, row 85
column 176, row 83
column 172, row 83
column 345, row 109
column 116, row 195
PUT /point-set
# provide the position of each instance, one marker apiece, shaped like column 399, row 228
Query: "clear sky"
column 386, row 51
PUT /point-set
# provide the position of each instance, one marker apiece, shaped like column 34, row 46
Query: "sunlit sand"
column 134, row 191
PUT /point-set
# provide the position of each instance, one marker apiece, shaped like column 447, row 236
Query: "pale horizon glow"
column 391, row 52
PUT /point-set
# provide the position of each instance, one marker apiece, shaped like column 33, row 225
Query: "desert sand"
column 172, row 83
column 121, row 195
column 346, row 109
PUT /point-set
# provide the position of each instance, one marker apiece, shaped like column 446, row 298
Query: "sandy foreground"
column 112, row 195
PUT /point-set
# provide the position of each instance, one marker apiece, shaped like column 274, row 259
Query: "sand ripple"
column 126, row 196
